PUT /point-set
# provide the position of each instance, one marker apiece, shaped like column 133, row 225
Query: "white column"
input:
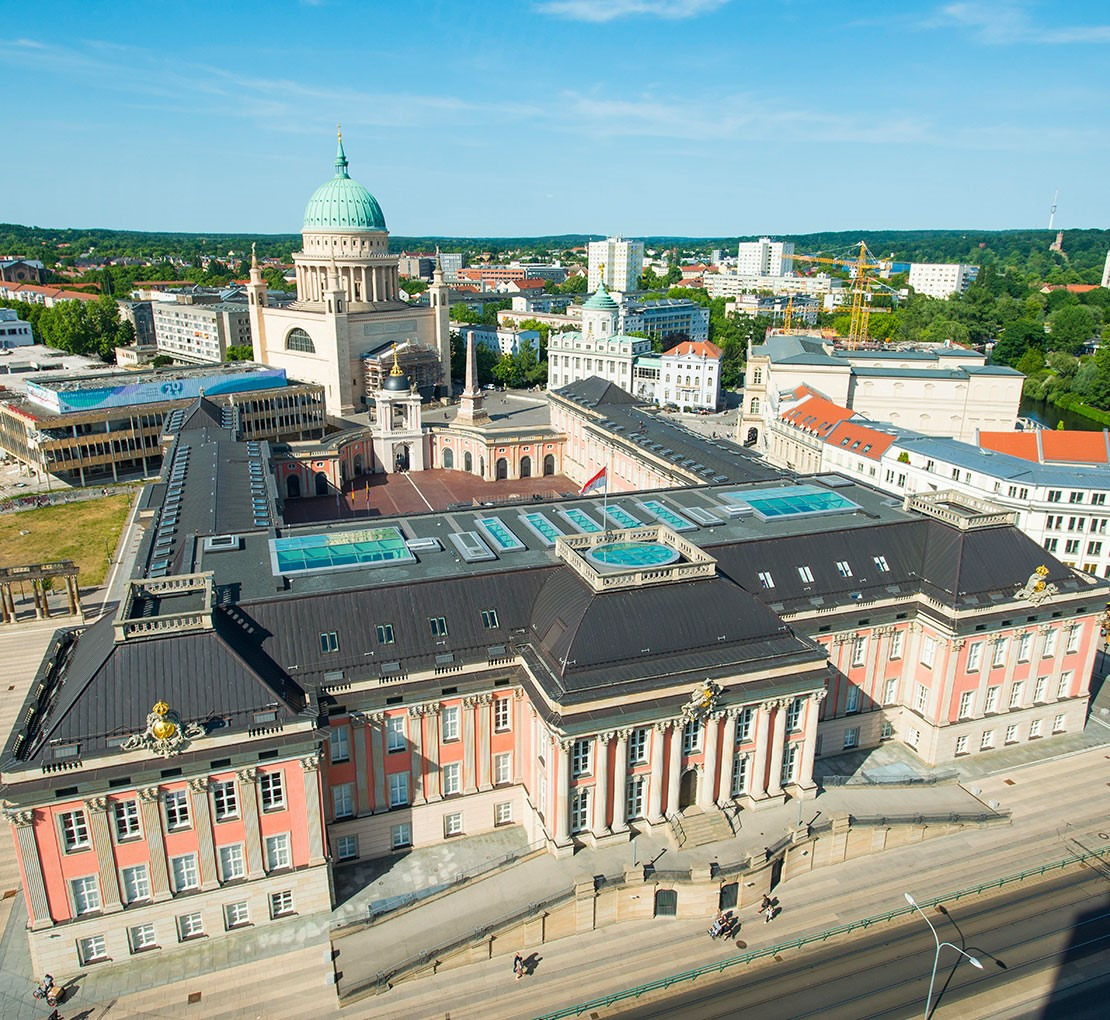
column 655, row 788
column 728, row 753
column 416, row 752
column 707, row 787
column 248, row 787
column 601, row 785
column 469, row 707
column 431, row 780
column 674, row 771
column 310, row 773
column 758, row 786
column 360, row 731
column 485, row 711
column 202, row 813
column 620, row 783
column 37, row 905
column 150, row 806
column 97, row 810
column 778, row 742
column 809, row 747
column 377, row 760
column 561, row 782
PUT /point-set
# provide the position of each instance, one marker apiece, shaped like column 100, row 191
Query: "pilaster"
column 470, row 706
column 310, row 774
column 151, row 809
column 485, row 723
column 416, row 738
column 38, row 907
column 655, row 787
column 728, row 753
column 248, row 788
column 202, row 819
column 620, row 783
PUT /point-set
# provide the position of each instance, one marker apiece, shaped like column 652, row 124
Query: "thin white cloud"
column 1008, row 23
column 598, row 11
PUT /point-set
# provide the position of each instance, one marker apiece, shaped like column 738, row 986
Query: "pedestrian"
column 765, row 903
column 518, row 966
column 768, row 914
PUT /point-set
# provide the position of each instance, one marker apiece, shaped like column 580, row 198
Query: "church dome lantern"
column 343, row 204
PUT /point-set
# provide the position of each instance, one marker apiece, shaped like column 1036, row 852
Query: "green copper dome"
column 343, row 204
column 600, row 300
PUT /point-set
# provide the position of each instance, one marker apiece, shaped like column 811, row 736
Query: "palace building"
column 270, row 702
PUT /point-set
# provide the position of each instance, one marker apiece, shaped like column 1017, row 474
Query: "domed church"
column 349, row 303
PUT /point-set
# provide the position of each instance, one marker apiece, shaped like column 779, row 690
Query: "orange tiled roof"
column 817, row 415
column 51, row 292
column 1050, row 446
column 699, row 348
column 858, row 438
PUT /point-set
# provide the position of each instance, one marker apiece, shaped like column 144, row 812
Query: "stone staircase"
column 697, row 827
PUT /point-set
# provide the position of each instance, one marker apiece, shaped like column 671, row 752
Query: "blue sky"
column 485, row 118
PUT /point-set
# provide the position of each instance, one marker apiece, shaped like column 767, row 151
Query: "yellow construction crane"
column 864, row 265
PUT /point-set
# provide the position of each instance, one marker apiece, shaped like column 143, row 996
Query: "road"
column 1044, row 951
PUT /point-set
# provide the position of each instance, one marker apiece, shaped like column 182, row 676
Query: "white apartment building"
column 14, row 332
column 500, row 339
column 623, row 261
column 198, row 332
column 1064, row 506
column 729, row 285
column 572, row 357
column 764, row 258
column 665, row 318
column 1106, row 272
column 451, row 262
column 690, row 376
column 941, row 280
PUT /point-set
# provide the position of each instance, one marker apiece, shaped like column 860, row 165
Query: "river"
column 1049, row 415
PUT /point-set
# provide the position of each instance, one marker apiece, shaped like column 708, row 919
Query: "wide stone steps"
column 701, row 827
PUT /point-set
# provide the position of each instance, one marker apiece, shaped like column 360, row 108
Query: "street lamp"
column 936, row 959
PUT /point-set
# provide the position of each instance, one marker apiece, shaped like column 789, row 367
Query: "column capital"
column 311, row 762
column 768, row 705
column 433, row 709
column 484, row 699
column 96, row 803
column 623, row 734
column 821, row 695
column 21, row 818
column 417, row 711
column 150, row 794
column 247, row 775
column 957, row 643
column 606, row 736
column 199, row 784
column 565, row 743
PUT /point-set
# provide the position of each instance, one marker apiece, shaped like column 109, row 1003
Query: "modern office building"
column 500, row 339
column 198, row 331
column 615, row 262
column 666, row 319
column 764, row 258
column 14, row 332
column 940, row 280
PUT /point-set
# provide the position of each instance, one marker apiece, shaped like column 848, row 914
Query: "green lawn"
column 71, row 531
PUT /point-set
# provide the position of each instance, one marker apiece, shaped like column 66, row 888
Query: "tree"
column 573, row 285
column 1015, row 340
column 240, row 352
column 942, row 330
column 1031, row 362
column 1071, row 327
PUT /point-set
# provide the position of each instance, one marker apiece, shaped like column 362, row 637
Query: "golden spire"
column 339, row 131
column 396, row 370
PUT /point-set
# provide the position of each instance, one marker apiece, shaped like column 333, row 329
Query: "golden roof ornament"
column 1036, row 589
column 396, row 370
column 165, row 733
column 704, row 701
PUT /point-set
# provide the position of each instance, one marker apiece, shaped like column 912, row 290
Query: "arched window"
column 525, row 467
column 757, row 376
column 755, row 405
column 549, row 464
column 321, row 483
column 298, row 340
column 292, row 486
column 448, row 458
column 501, row 468
column 468, row 462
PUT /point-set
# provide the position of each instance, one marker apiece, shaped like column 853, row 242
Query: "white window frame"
column 851, row 700
column 76, row 835
column 126, row 819
column 271, row 791
column 1035, row 727
column 961, row 744
column 1059, row 723
column 794, row 715
column 897, row 643
column 502, row 715
column 1040, row 688
column 744, row 725
column 452, row 779
column 278, row 852
column 806, row 575
column 1073, row 639
column 343, row 801
column 187, row 876
column 998, row 653
column 790, row 760
column 692, row 736
column 929, row 651
column 1025, row 647
column 637, row 746
column 974, row 656
column 141, row 937
column 339, row 745
column 92, row 949
column 967, row 705
column 986, row 741
column 844, row 568
column 503, row 813
column 135, row 882
column 398, row 789
column 395, row 734
column 740, row 774
column 449, row 724
column 859, row 650
column 890, row 691
column 84, row 891
column 190, row 926
column 346, row 848
column 851, row 738
column 1063, row 686
column 225, row 800
column 503, row 768
column 281, row 904
column 232, row 861
column 1050, row 641
column 1016, row 692
column 1011, row 734
column 580, row 755
column 993, row 694
column 580, row 809
column 400, row 835
column 237, row 915
column 765, row 579
column 176, row 806
column 452, row 824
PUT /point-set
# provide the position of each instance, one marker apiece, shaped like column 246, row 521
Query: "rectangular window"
column 503, row 768
column 1094, row 548
column 913, row 737
column 897, row 639
column 851, row 701
column 329, row 642
column 881, row 563
column 859, row 650
column 502, row 715
column 503, row 813
column 1011, row 734
column 343, row 800
column 452, row 782
column 190, row 926
column 634, row 797
column 1035, row 728
column 1063, row 687
column 691, row 736
column 744, row 726
column 961, row 745
column 141, row 937
column 232, row 865
column 398, row 789
column 277, row 852
column 125, row 813
column 987, row 740
column 136, row 883
column 974, row 656
column 1058, row 724
column 489, row 619
column 339, row 745
column 177, row 809
column 766, row 580
column 395, row 733
column 580, row 810
column 928, row 651
column 92, row 949
column 740, row 774
column 225, row 801
column 1050, row 644
column 75, row 831
column 999, row 653
column 449, row 723
column 844, row 568
column 438, row 625
column 1015, row 694
column 385, row 634
column 281, row 903
column 1039, row 689
column 890, row 691
column 580, row 758
column 992, row 699
column 637, row 746
column 347, row 848
column 1073, row 640
column 789, row 759
column 794, row 715
column 236, row 915
column 452, row 824
column 272, row 791
column 1071, row 547
column 1025, row 646
column 965, row 704
column 400, row 836
column 184, row 871
column 851, row 738
column 1054, row 495
column 1051, row 544
column 920, row 698
column 806, row 575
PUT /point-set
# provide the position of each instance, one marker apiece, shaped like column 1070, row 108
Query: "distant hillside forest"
column 1082, row 259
